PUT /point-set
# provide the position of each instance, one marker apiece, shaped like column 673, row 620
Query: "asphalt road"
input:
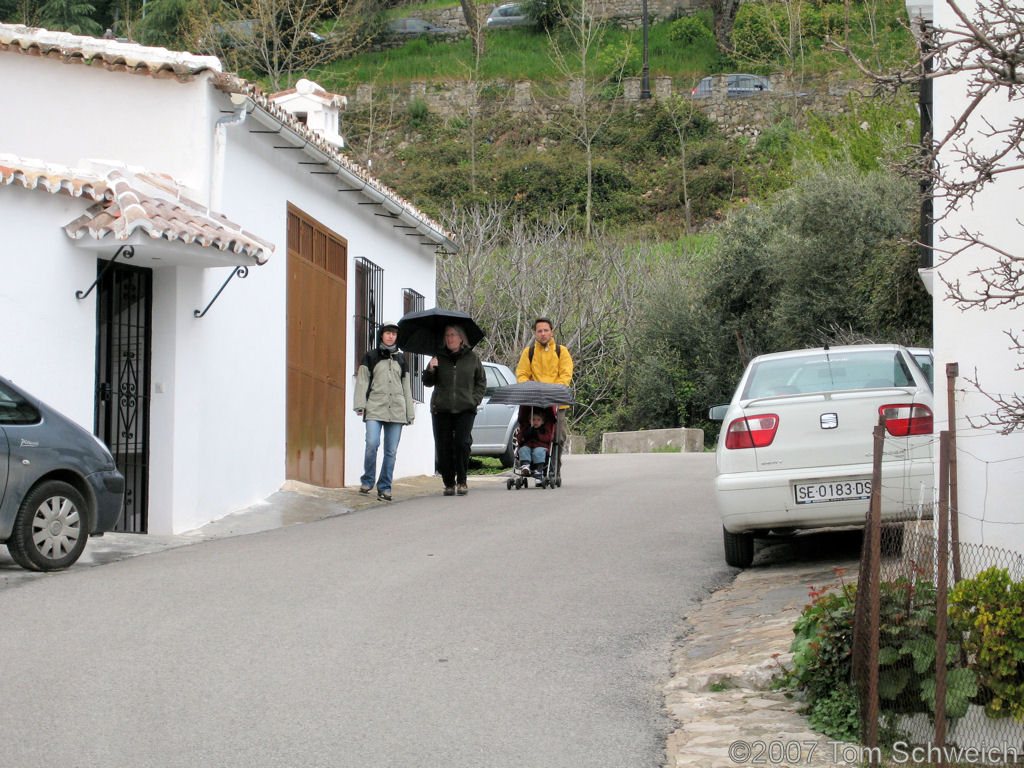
column 507, row 628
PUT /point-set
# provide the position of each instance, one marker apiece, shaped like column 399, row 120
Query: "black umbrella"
column 423, row 332
column 536, row 393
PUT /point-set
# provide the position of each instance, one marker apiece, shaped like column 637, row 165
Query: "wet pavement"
column 719, row 697
column 295, row 503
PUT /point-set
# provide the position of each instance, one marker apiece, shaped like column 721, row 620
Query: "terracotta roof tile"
column 112, row 54
column 130, row 200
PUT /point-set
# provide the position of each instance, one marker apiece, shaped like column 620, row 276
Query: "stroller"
column 543, row 397
column 547, row 473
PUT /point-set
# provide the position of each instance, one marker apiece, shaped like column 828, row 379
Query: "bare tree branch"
column 509, row 271
column 986, row 49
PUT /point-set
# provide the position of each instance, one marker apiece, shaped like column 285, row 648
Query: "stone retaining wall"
column 745, row 116
column 649, row 440
column 626, row 13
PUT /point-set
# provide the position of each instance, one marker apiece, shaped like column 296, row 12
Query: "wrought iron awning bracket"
column 241, row 271
column 129, row 251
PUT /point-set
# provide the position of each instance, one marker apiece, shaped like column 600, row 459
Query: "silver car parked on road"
column 509, row 15
column 495, row 422
column 58, row 483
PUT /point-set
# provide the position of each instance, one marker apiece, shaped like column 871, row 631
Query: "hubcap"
column 56, row 527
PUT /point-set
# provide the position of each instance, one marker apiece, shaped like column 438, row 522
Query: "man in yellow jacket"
column 545, row 360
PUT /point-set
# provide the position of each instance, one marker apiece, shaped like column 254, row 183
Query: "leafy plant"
column 418, row 111
column 823, row 648
column 835, row 714
column 690, row 30
column 988, row 611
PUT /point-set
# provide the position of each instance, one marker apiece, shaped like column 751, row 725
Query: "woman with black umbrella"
column 458, row 379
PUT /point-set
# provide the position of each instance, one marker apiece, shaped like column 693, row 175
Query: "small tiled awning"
column 134, row 205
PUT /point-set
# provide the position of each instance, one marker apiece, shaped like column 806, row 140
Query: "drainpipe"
column 219, row 144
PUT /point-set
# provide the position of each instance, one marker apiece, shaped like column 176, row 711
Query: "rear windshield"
column 828, row 372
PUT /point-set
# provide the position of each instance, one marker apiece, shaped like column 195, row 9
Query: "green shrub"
column 823, row 648
column 619, row 59
column 690, row 30
column 418, row 111
column 835, row 713
column 988, row 611
column 754, row 34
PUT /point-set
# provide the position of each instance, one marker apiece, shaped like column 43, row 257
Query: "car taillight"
column 752, row 431
column 903, row 419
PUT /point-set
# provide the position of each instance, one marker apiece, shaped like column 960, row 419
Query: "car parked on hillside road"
column 737, row 85
column 509, row 15
column 495, row 423
column 58, row 483
column 796, row 447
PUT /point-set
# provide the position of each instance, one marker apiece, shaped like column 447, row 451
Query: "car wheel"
column 739, row 549
column 50, row 529
column 508, row 458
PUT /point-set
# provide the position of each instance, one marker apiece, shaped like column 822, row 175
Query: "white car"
column 796, row 446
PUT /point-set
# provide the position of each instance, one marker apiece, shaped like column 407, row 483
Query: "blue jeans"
column 529, row 455
column 392, row 434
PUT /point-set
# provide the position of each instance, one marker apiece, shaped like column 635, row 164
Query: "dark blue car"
column 58, row 483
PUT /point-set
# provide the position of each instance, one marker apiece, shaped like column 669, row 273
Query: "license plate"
column 831, row 490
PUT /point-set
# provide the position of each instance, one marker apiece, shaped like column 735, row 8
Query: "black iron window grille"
column 369, row 285
column 414, row 302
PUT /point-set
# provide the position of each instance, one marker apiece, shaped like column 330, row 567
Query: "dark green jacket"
column 459, row 382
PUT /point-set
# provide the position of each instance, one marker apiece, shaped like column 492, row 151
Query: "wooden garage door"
column 317, row 265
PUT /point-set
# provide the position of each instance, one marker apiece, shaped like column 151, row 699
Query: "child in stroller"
column 533, row 440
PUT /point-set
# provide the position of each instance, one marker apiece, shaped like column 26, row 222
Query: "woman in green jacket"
column 383, row 398
column 458, row 379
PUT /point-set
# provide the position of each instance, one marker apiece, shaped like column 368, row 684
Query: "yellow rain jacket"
column 551, row 364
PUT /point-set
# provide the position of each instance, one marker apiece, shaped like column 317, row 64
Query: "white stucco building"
column 990, row 466
column 187, row 174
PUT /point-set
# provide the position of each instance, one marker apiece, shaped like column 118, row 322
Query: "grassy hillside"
column 762, row 40
column 640, row 167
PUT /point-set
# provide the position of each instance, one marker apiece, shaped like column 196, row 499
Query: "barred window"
column 369, row 281
column 413, row 302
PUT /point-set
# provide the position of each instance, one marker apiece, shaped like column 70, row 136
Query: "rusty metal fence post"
column 952, row 371
column 867, row 608
column 941, row 586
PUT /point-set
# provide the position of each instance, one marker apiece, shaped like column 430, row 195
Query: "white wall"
column 218, row 383
column 49, row 337
column 405, row 263
column 72, row 112
column 990, row 466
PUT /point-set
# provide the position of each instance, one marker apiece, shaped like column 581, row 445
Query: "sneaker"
column 449, row 490
column 524, row 470
column 462, row 490
column 365, row 488
column 383, row 495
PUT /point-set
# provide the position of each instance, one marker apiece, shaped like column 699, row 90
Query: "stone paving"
column 719, row 696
